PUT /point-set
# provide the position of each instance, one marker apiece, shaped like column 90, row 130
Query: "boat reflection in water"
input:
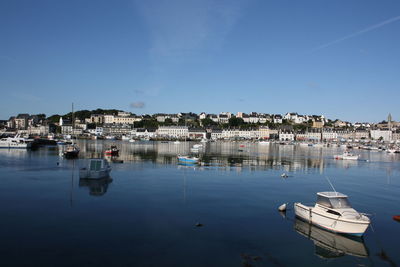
column 97, row 187
column 331, row 245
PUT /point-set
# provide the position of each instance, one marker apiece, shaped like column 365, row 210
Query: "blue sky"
column 336, row 58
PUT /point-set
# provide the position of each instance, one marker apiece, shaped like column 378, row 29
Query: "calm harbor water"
column 146, row 213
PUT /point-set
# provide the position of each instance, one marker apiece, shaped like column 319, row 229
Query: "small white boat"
column 15, row 142
column 187, row 159
column 204, row 140
column 347, row 155
column 333, row 212
column 177, row 142
column 132, row 141
column 96, row 169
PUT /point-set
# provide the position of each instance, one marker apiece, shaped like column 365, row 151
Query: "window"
column 339, row 203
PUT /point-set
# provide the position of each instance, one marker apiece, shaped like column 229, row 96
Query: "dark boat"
column 396, row 218
column 71, row 152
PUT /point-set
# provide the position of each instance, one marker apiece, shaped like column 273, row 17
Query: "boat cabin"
column 333, row 200
column 97, row 164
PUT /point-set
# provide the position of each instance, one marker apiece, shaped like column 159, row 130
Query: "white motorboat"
column 96, row 169
column 177, row 142
column 333, row 212
column 328, row 244
column 204, row 140
column 15, row 142
column 347, row 155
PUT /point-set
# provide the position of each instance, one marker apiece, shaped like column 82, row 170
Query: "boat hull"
column 188, row 160
column 329, row 222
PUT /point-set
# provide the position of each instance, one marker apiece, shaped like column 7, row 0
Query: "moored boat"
column 347, row 155
column 15, row 142
column 113, row 151
column 71, row 151
column 333, row 212
column 188, row 159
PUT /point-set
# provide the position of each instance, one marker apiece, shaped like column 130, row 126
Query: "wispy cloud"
column 138, row 104
column 368, row 29
column 180, row 27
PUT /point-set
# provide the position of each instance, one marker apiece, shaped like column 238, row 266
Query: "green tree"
column 207, row 122
column 235, row 122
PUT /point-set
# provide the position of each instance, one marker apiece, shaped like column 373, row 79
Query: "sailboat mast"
column 73, row 119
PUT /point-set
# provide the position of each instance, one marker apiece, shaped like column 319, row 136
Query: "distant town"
column 112, row 123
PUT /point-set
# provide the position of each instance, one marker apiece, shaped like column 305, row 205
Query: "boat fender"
column 282, row 207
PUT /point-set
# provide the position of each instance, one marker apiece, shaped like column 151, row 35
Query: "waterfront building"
column 216, row 134
column 301, row 136
column 361, row 134
column 144, row 133
column 344, row 134
column 313, row 135
column 329, row 135
column 385, row 135
column 263, row 132
column 173, row 131
column 117, row 129
column 67, row 129
column 286, row 136
column 197, row 133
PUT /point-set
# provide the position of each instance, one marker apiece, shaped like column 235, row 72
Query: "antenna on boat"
column 329, row 181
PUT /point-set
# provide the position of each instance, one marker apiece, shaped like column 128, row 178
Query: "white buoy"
column 282, row 207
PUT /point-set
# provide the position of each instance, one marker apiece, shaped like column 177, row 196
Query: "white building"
column 173, row 131
column 385, row 135
column 202, row 116
column 313, row 136
column 286, row 136
column 278, row 119
column 108, row 119
column 329, row 135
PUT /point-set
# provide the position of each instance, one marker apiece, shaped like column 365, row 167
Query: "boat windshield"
column 340, row 203
column 95, row 165
column 335, row 203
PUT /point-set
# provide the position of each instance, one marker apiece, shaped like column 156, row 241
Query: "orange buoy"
column 396, row 218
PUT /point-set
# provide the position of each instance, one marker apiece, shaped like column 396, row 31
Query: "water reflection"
column 330, row 245
column 97, row 187
column 236, row 154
